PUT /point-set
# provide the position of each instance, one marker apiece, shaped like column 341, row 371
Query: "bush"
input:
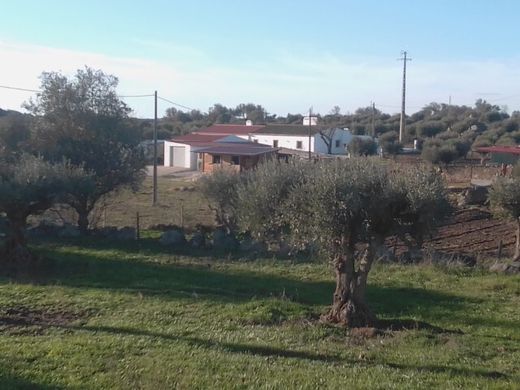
column 220, row 188
column 362, row 147
column 436, row 152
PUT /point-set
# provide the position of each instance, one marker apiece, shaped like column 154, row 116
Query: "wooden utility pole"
column 154, row 201
column 402, row 124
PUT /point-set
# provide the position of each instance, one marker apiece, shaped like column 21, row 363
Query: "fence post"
column 137, row 232
column 500, row 244
column 182, row 216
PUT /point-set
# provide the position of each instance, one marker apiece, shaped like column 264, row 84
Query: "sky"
column 285, row 55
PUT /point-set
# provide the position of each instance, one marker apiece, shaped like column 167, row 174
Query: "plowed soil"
column 474, row 231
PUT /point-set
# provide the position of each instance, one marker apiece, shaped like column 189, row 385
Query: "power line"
column 18, row 89
column 134, row 96
column 177, row 104
column 39, row 90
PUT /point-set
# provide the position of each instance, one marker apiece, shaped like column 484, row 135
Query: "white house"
column 181, row 151
column 297, row 137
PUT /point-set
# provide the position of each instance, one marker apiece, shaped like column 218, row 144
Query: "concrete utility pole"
column 402, row 124
column 310, row 131
column 154, row 201
column 373, row 123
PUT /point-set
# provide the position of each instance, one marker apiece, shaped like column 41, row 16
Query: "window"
column 216, row 159
column 299, row 145
column 337, row 143
column 235, row 160
column 275, row 143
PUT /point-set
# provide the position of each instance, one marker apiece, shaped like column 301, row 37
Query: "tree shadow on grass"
column 11, row 381
column 268, row 351
column 202, row 280
column 257, row 350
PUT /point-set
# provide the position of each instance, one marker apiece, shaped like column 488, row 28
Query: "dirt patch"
column 469, row 232
column 21, row 319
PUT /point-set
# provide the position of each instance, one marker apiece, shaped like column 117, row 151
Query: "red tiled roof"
column 499, row 149
column 227, row 129
column 196, row 138
column 250, row 149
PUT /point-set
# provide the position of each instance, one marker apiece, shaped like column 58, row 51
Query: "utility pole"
column 310, row 131
column 154, row 201
column 373, row 123
column 402, row 125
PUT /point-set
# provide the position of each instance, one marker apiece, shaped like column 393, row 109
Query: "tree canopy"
column 30, row 185
column 82, row 120
column 347, row 208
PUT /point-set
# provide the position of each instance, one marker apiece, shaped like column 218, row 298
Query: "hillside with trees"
column 446, row 132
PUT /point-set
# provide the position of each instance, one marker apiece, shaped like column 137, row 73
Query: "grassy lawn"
column 178, row 203
column 135, row 316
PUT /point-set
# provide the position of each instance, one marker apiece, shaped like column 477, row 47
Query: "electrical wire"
column 18, row 89
column 176, row 104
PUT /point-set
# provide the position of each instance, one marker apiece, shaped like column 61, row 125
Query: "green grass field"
column 122, row 316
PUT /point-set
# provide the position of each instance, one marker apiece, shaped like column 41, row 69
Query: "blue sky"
column 285, row 55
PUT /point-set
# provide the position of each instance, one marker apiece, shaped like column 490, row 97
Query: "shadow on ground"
column 202, row 280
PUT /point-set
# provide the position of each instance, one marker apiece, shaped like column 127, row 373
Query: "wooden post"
column 499, row 251
column 182, row 215
column 137, row 227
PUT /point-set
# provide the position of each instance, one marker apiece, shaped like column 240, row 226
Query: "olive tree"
column 347, row 208
column 29, row 186
column 504, row 198
column 83, row 120
column 362, row 147
column 220, row 189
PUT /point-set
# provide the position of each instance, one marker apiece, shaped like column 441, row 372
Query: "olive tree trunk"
column 83, row 209
column 349, row 306
column 15, row 248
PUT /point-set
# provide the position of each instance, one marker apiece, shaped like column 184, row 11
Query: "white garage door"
column 177, row 156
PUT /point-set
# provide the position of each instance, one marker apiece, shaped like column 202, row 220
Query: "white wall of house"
column 185, row 159
column 341, row 138
column 284, row 141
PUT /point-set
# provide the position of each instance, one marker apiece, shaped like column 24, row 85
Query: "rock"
column 126, row 233
column 69, row 231
column 385, row 255
column 477, row 195
column 499, row 267
column 411, row 256
column 44, row 229
column 198, row 240
column 173, row 238
column 253, row 246
column 284, row 249
column 4, row 224
column 513, row 268
column 108, row 232
column 223, row 241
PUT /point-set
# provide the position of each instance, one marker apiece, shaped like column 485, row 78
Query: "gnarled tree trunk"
column 15, row 248
column 83, row 210
column 349, row 306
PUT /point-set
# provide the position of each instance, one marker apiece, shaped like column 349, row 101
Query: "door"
column 177, row 156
